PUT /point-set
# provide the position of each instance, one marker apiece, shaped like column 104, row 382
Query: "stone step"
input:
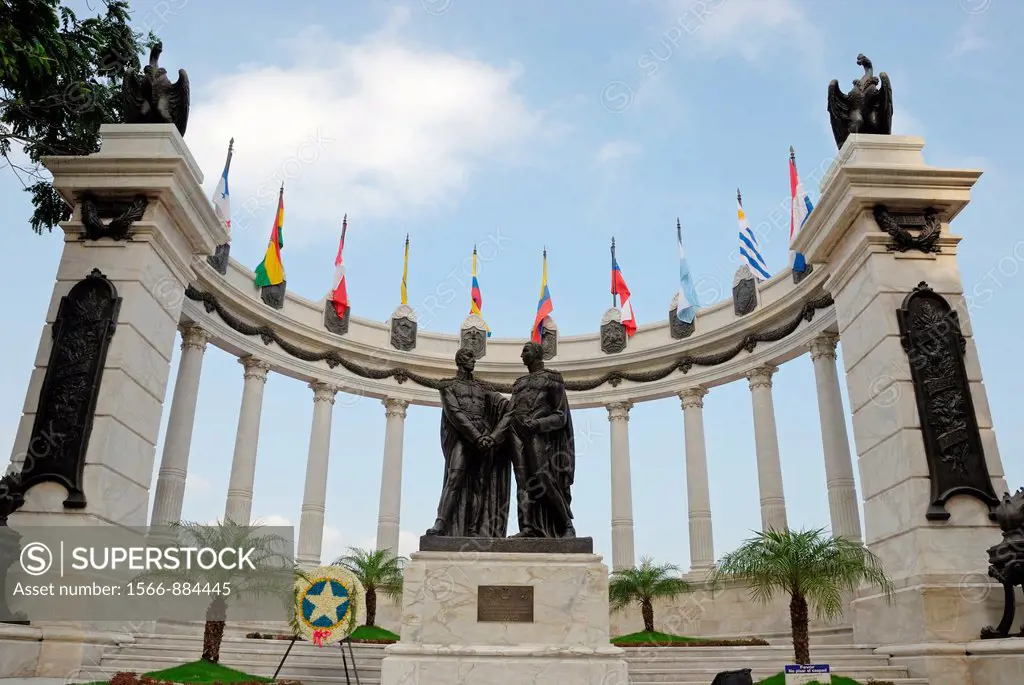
column 336, row 678
column 822, row 654
column 894, row 681
column 706, row 674
column 292, row 670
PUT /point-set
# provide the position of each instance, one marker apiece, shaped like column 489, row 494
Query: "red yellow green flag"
column 271, row 269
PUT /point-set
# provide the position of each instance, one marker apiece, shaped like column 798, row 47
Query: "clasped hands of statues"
column 486, row 442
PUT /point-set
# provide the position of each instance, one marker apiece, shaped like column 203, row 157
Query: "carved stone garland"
column 931, row 336
column 613, row 378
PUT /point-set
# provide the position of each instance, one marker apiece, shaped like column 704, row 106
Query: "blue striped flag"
column 686, row 308
column 749, row 249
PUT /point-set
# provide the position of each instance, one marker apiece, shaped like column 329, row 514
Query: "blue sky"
column 458, row 122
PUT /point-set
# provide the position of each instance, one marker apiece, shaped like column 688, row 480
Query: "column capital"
column 761, row 376
column 394, row 406
column 824, row 346
column 193, row 337
column 619, row 411
column 254, row 368
column 693, row 398
column 323, row 392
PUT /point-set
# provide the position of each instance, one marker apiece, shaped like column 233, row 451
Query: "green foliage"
column 378, row 570
column 809, row 564
column 647, row 638
column 60, row 78
column 645, row 583
column 780, row 679
column 373, row 634
column 204, row 672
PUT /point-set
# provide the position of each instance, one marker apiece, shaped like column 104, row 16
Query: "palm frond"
column 379, row 569
column 646, row 582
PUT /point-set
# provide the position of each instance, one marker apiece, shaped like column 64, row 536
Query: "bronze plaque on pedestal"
column 504, row 604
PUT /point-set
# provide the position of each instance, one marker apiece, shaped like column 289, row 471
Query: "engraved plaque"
column 504, row 604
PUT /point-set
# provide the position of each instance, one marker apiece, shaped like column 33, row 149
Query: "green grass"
column 645, row 638
column 205, row 672
column 780, row 679
column 375, row 633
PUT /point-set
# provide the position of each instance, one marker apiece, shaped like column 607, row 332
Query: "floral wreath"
column 329, row 604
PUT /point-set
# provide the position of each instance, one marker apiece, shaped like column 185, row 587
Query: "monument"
column 479, row 607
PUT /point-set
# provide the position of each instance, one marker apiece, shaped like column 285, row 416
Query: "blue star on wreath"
column 312, row 604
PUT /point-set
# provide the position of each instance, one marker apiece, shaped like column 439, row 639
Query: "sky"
column 534, row 124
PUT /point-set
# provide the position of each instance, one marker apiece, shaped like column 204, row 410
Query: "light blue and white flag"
column 749, row 249
column 222, row 196
column 686, row 309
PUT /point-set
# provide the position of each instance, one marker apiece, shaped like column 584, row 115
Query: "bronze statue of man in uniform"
column 477, row 481
column 538, row 426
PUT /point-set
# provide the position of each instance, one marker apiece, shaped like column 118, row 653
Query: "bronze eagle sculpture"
column 152, row 98
column 867, row 108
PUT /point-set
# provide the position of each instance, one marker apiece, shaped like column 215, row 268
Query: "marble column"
column 390, row 507
column 314, row 495
column 622, row 488
column 698, row 493
column 170, row 480
column 769, row 466
column 243, row 463
column 842, row 493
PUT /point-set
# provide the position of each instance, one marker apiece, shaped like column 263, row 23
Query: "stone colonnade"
column 842, row 495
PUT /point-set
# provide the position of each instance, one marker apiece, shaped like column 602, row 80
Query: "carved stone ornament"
column 273, row 295
column 473, row 336
column 926, row 223
column 81, row 333
column 801, row 275
column 613, row 333
column 334, row 323
column 744, row 291
column 1006, row 561
column 403, row 328
column 677, row 328
column 549, row 338
column 931, row 336
column 122, row 213
column 219, row 259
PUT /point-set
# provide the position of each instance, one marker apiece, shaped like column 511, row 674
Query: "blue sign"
column 807, row 668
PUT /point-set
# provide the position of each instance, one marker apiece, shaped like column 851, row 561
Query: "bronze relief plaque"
column 504, row 604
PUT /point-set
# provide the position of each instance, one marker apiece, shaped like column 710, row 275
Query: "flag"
column 339, row 293
column 686, row 307
column 405, row 272
column 544, row 305
column 477, row 300
column 619, row 288
column 800, row 209
column 221, row 196
column 749, row 249
column 271, row 269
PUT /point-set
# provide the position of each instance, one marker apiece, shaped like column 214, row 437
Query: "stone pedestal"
column 140, row 224
column 443, row 642
column 938, row 567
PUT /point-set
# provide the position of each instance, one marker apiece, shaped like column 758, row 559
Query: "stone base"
column 442, row 642
column 981, row 662
column 442, row 543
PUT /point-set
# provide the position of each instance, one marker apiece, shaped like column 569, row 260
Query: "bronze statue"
column 477, row 483
column 867, row 108
column 1006, row 561
column 539, row 428
column 152, row 98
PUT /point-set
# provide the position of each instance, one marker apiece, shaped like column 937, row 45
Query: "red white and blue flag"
column 800, row 209
column 544, row 305
column 339, row 293
column 619, row 288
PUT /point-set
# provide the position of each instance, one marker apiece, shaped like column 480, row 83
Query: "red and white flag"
column 339, row 293
column 625, row 306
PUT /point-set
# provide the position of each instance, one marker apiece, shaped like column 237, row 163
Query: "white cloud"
column 376, row 129
column 745, row 27
column 969, row 38
column 904, row 123
column 196, row 485
column 615, row 150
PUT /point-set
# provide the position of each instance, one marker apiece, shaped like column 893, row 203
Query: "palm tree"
column 811, row 566
column 377, row 570
column 274, row 575
column 642, row 585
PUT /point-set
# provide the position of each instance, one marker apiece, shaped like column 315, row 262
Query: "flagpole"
column 792, row 155
column 613, row 272
column 231, row 151
column 344, row 229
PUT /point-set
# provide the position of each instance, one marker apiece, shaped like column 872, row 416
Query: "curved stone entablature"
column 364, row 361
